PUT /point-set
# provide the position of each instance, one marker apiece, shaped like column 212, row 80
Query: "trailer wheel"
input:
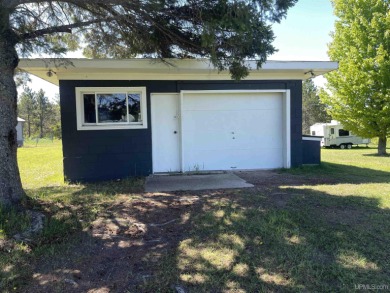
column 349, row 146
column 342, row 146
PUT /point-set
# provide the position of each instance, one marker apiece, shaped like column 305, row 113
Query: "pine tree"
column 26, row 109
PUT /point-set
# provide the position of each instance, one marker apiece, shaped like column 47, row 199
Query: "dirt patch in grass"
column 344, row 216
column 280, row 199
column 119, row 250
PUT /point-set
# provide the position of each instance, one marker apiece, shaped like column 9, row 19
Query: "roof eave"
column 53, row 70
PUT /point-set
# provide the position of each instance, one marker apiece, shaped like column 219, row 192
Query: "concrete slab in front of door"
column 156, row 183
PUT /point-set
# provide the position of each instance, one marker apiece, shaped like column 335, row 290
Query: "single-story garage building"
column 136, row 117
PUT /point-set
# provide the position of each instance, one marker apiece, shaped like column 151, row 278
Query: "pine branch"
column 15, row 3
column 62, row 28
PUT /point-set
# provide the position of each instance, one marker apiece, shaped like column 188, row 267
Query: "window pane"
column 343, row 132
column 134, row 107
column 89, row 108
column 111, row 108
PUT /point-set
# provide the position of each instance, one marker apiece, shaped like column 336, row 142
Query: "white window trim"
column 112, row 90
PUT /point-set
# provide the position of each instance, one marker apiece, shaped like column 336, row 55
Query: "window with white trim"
column 100, row 108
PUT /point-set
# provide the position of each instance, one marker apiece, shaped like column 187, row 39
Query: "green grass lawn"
column 313, row 229
column 40, row 164
column 357, row 172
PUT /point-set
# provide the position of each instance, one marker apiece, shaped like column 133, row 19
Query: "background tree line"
column 313, row 110
column 43, row 118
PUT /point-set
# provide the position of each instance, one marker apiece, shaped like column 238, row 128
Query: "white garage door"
column 228, row 131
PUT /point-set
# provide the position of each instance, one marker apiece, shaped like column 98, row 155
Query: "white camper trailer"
column 335, row 136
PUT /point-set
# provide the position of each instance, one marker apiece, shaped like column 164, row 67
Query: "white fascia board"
column 172, row 69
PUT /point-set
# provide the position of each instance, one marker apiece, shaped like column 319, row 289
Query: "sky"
column 302, row 36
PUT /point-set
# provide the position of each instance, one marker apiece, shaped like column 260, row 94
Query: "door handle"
column 175, row 132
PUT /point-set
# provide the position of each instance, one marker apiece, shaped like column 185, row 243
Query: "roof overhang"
column 53, row 70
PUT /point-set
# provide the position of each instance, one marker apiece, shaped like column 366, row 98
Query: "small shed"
column 19, row 131
column 311, row 150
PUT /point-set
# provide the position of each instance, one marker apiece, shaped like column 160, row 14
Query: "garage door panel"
column 260, row 158
column 231, row 101
column 208, row 130
column 207, row 121
column 208, row 160
column 263, row 130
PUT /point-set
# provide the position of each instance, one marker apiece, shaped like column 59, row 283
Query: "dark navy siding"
column 311, row 152
column 92, row 155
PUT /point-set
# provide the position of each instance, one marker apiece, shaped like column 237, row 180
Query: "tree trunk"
column 382, row 145
column 41, row 126
column 11, row 191
column 29, row 125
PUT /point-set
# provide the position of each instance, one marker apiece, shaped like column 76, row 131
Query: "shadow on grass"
column 354, row 148
column 376, row 155
column 331, row 172
column 68, row 210
column 253, row 240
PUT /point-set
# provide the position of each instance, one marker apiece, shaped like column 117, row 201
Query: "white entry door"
column 165, row 112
